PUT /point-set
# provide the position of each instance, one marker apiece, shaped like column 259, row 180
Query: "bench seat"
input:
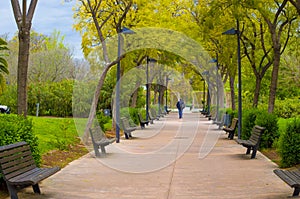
column 291, row 177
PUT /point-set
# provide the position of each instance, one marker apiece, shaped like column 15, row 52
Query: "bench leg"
column 296, row 191
column 248, row 150
column 36, row 188
column 126, row 135
column 230, row 135
column 12, row 191
column 97, row 154
column 253, row 153
column 103, row 150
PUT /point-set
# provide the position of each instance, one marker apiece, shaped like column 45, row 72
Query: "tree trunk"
column 274, row 80
column 257, row 91
column 24, row 42
column 232, row 93
column 134, row 98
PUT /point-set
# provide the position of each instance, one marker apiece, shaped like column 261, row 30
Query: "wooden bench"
column 291, row 177
column 142, row 121
column 19, row 169
column 127, row 128
column 253, row 142
column 100, row 140
column 230, row 130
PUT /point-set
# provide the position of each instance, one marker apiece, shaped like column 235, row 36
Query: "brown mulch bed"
column 63, row 158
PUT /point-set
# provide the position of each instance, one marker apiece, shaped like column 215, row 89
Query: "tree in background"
column 23, row 19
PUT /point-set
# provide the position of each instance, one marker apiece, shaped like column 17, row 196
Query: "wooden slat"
column 12, row 146
column 291, row 177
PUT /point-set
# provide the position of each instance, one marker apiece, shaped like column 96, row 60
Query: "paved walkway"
column 170, row 159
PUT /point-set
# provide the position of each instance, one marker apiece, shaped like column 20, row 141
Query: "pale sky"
column 49, row 15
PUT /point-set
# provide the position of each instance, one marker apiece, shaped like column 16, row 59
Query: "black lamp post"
column 123, row 31
column 167, row 80
column 147, row 85
column 237, row 32
column 217, row 84
column 203, row 110
column 208, row 94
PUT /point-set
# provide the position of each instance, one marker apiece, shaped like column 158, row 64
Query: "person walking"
column 180, row 106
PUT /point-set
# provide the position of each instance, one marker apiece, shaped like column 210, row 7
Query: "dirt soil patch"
column 63, row 158
column 273, row 155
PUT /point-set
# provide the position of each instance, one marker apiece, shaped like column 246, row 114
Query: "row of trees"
column 268, row 30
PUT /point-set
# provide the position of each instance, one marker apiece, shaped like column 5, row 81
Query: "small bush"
column 270, row 122
column 14, row 128
column 248, row 121
column 289, row 146
column 102, row 119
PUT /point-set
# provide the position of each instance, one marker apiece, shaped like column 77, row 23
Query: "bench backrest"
column 15, row 159
column 234, row 122
column 140, row 117
column 97, row 134
column 124, row 122
column 153, row 112
column 256, row 134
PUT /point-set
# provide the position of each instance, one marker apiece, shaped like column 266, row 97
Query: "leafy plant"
column 16, row 128
column 289, row 144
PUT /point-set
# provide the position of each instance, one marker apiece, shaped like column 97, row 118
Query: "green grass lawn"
column 54, row 133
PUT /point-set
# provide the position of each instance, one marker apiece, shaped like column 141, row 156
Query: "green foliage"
column 262, row 118
column 232, row 114
column 16, row 128
column 131, row 114
column 289, row 145
column 63, row 137
column 287, row 108
column 102, row 120
column 270, row 122
column 52, row 131
column 54, row 98
column 248, row 121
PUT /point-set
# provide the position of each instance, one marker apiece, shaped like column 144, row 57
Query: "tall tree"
column 279, row 20
column 23, row 19
column 93, row 17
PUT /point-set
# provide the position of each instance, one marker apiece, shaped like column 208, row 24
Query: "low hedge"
column 289, row 144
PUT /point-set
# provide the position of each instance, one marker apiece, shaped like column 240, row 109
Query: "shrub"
column 248, row 121
column 102, row 120
column 289, row 145
column 287, row 108
column 262, row 118
column 270, row 122
column 15, row 128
